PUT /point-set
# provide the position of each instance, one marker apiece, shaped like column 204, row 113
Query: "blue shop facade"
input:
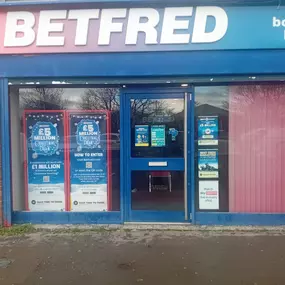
column 125, row 111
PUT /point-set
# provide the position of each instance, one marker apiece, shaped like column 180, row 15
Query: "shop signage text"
column 49, row 27
column 141, row 29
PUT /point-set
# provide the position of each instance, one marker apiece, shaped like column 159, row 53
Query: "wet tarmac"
column 143, row 257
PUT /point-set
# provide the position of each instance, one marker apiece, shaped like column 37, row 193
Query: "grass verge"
column 17, row 230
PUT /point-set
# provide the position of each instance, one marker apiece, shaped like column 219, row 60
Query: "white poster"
column 49, row 197
column 89, row 197
column 209, row 195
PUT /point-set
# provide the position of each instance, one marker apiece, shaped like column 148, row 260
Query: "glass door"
column 156, row 140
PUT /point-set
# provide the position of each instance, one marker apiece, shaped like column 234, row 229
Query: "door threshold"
column 159, row 226
column 157, row 223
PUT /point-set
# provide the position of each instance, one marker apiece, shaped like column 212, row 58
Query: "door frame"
column 129, row 215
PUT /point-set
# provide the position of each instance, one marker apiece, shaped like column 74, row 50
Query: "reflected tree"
column 109, row 99
column 103, row 99
column 147, row 106
column 149, row 111
column 43, row 99
column 225, row 105
column 245, row 95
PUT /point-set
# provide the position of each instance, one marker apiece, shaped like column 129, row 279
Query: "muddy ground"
column 127, row 257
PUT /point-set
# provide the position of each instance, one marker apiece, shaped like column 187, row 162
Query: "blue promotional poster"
column 89, row 146
column 208, row 130
column 208, row 165
column 141, row 135
column 44, row 157
column 173, row 133
column 158, row 135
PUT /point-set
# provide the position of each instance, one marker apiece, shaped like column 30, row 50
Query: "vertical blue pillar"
column 192, row 155
column 5, row 149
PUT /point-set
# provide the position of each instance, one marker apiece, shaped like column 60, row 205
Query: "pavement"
column 129, row 256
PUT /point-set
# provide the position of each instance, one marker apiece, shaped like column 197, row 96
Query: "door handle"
column 157, row 163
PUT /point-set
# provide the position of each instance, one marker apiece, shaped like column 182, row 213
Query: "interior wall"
column 17, row 161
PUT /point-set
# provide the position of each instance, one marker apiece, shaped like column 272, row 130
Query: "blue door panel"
column 143, row 163
column 173, row 164
column 157, row 216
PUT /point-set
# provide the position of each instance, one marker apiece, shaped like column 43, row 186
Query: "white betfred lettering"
column 135, row 25
column 199, row 31
column 83, row 18
column 107, row 26
column 13, row 27
column 172, row 24
column 46, row 26
column 276, row 22
column 21, row 29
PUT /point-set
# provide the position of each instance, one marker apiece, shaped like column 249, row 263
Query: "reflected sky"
column 212, row 95
column 73, row 97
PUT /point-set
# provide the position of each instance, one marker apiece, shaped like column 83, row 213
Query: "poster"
column 208, row 130
column 173, row 133
column 141, row 135
column 158, row 135
column 208, row 166
column 44, row 158
column 89, row 152
column 209, row 195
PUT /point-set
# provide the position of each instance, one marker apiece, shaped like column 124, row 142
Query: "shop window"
column 211, row 145
column 239, row 168
column 65, row 146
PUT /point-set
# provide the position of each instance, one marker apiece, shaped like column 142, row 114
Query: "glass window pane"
column 157, row 128
column 250, row 153
column 158, row 190
column 65, row 149
column 211, row 148
column 257, row 148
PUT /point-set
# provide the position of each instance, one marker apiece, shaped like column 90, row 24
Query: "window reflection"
column 213, row 101
column 251, row 146
column 48, row 99
column 163, row 116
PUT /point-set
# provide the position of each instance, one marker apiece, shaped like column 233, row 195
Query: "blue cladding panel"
column 202, row 218
column 67, row 218
column 152, row 64
column 229, row 219
column 5, row 149
column 157, row 216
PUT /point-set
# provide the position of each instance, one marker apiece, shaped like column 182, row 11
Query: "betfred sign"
column 141, row 29
column 109, row 30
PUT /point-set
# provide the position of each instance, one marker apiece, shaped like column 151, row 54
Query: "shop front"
column 118, row 113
